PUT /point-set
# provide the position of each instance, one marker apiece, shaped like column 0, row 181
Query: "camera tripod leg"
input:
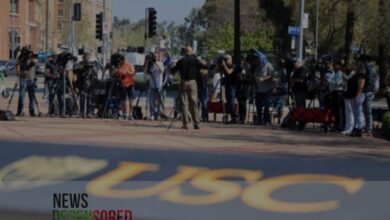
column 37, row 105
column 12, row 95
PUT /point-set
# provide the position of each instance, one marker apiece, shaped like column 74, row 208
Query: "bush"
column 386, row 125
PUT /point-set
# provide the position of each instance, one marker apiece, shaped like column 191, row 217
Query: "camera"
column 64, row 58
column 116, row 59
column 150, row 58
column 220, row 60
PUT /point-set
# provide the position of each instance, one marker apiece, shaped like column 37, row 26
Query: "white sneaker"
column 346, row 133
column 152, row 118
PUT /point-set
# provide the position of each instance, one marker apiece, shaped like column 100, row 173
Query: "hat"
column 228, row 57
column 296, row 60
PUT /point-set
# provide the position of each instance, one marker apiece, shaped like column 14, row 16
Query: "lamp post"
column 317, row 28
column 302, row 29
column 237, row 33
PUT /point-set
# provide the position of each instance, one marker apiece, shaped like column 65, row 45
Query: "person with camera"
column 25, row 70
column 299, row 84
column 125, row 72
column 226, row 68
column 264, row 76
column 154, row 67
column 52, row 76
column 189, row 68
column 86, row 72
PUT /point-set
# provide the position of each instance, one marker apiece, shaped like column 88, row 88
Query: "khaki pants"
column 189, row 101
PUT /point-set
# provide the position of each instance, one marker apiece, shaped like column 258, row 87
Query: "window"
column 14, row 6
column 61, row 1
column 60, row 26
column 60, row 13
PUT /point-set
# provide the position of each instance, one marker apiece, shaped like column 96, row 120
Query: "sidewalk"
column 214, row 137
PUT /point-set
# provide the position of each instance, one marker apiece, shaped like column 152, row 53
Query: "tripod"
column 16, row 85
column 114, row 82
column 175, row 109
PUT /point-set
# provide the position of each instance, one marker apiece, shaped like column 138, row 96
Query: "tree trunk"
column 382, row 48
column 349, row 31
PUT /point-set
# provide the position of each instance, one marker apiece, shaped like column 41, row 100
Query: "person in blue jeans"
column 203, row 94
column 26, row 86
column 370, row 88
column 226, row 67
column 26, row 73
column 155, row 70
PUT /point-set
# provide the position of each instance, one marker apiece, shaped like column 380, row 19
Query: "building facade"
column 18, row 26
column 46, row 25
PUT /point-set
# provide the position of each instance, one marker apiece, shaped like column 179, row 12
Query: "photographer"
column 226, row 68
column 25, row 70
column 52, row 75
column 155, row 70
column 245, row 91
column 125, row 72
column 264, row 76
column 189, row 67
column 86, row 72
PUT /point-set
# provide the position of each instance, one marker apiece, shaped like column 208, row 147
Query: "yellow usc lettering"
column 104, row 186
column 210, row 181
column 259, row 195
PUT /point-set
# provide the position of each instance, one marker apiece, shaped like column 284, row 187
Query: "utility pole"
column 47, row 25
column 13, row 31
column 72, row 28
column 105, row 35
column 317, row 28
column 301, row 29
column 237, row 33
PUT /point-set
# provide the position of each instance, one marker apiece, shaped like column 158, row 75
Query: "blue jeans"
column 86, row 102
column 155, row 97
column 29, row 87
column 358, row 112
column 55, row 90
column 230, row 99
column 203, row 99
column 368, row 98
column 262, row 106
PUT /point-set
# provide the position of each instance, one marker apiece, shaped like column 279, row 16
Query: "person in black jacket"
column 298, row 84
column 189, row 68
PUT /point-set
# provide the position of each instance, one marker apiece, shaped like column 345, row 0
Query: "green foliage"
column 386, row 125
column 223, row 39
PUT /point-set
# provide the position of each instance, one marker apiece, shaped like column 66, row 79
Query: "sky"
column 167, row 10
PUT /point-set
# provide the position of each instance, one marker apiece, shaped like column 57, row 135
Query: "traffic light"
column 152, row 22
column 99, row 26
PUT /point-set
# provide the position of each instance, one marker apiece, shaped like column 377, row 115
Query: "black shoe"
column 33, row 115
column 19, row 114
column 196, row 127
column 232, row 122
column 357, row 133
column 184, row 127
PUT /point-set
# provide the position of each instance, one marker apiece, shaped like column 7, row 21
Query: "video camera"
column 220, row 60
column 150, row 58
column 25, row 54
column 116, row 60
column 64, row 58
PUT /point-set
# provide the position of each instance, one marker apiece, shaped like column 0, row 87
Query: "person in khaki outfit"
column 189, row 68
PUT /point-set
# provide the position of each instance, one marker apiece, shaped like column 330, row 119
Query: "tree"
column 382, row 46
column 349, row 30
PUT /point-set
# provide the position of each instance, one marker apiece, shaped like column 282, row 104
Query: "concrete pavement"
column 213, row 137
